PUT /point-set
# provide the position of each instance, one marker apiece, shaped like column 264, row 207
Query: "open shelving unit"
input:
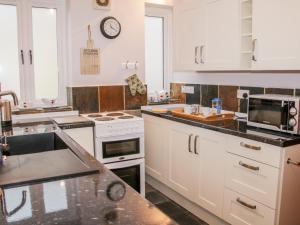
column 246, row 33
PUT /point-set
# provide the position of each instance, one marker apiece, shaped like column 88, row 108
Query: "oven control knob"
column 293, row 111
column 292, row 122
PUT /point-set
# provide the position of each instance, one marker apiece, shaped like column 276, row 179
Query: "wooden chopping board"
column 225, row 116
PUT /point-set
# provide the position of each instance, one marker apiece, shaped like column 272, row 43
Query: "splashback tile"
column 280, row 91
column 193, row 98
column 176, row 92
column 208, row 92
column 134, row 102
column 228, row 94
column 84, row 99
column 111, row 98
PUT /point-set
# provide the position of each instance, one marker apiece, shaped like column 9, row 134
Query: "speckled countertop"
column 238, row 128
column 96, row 199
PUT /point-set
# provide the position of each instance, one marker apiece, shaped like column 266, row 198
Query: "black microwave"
column 274, row 112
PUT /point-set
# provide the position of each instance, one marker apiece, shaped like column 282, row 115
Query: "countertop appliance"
column 5, row 107
column 274, row 112
column 119, row 144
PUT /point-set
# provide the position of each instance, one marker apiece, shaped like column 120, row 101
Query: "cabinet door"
column 155, row 147
column 222, row 45
column 188, row 35
column 276, row 34
column 182, row 160
column 210, row 150
column 84, row 137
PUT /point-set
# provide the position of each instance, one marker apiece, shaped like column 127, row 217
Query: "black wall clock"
column 110, row 27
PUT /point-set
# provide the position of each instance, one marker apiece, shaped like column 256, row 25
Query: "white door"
column 188, row 35
column 156, row 147
column 222, row 34
column 276, row 34
column 182, row 160
column 210, row 151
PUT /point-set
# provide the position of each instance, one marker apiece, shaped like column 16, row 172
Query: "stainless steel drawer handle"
column 255, row 168
column 196, row 55
column 190, row 145
column 252, row 147
column 291, row 162
column 245, row 204
column 195, row 145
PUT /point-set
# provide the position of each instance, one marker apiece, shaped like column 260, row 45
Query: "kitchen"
column 150, row 112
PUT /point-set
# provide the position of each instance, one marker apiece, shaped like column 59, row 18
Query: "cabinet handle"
column 195, row 145
column 255, row 168
column 291, row 162
column 189, row 145
column 254, row 58
column 30, row 56
column 252, row 147
column 196, row 55
column 22, row 57
column 245, row 204
column 201, row 54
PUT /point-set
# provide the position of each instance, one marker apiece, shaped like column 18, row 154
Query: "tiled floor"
column 173, row 210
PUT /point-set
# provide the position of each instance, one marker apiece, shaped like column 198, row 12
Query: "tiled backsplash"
column 203, row 94
column 104, row 98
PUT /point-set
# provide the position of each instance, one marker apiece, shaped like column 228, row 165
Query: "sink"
column 35, row 143
column 42, row 157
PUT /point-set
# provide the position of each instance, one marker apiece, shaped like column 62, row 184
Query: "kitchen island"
column 83, row 199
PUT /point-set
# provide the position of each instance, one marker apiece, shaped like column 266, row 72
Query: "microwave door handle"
column 284, row 111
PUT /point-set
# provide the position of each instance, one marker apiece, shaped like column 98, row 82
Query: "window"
column 158, row 30
column 31, row 62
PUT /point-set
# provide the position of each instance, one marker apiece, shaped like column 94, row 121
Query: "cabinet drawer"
column 258, row 151
column 240, row 210
column 252, row 179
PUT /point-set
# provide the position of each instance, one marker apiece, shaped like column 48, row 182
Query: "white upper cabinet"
column 188, row 38
column 222, row 34
column 276, row 35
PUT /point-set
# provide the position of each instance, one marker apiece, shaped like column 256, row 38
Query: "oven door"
column 131, row 172
column 268, row 113
column 113, row 149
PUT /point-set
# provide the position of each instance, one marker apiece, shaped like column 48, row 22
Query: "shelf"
column 246, row 52
column 247, row 18
column 247, row 35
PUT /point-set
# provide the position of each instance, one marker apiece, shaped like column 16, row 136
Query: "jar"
column 217, row 105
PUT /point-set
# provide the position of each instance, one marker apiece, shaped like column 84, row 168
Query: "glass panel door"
column 9, row 49
column 121, row 148
column 130, row 175
column 44, row 28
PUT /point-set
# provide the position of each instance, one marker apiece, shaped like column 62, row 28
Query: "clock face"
column 110, row 27
column 102, row 2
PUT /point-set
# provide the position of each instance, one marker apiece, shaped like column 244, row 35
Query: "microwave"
column 274, row 112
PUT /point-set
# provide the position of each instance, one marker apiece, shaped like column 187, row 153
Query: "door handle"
column 201, row 54
column 245, row 204
column 196, row 54
column 22, row 57
column 190, row 145
column 195, row 145
column 252, row 147
column 291, row 162
column 30, row 56
column 254, row 58
column 255, row 168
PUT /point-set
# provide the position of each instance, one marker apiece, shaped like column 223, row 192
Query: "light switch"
column 188, row 89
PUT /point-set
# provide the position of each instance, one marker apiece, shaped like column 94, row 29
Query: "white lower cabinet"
column 241, row 210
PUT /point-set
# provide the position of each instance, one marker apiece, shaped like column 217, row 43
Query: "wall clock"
column 110, row 27
column 102, row 4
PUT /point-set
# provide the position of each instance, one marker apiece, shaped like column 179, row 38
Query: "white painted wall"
column 280, row 80
column 128, row 46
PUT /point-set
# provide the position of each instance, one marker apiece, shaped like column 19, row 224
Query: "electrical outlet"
column 242, row 93
column 188, row 89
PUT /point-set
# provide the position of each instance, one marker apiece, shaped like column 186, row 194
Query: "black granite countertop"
column 238, row 128
column 96, row 199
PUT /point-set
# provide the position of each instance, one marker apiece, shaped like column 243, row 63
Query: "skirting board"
column 185, row 203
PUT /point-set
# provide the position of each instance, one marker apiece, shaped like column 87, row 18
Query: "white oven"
column 132, row 172
column 120, row 148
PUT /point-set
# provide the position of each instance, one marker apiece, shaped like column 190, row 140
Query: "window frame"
column 166, row 12
column 25, row 43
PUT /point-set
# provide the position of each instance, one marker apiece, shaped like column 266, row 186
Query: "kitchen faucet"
column 5, row 106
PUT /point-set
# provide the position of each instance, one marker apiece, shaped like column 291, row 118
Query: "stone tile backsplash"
column 205, row 93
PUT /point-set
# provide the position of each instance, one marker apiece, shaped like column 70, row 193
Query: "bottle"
column 217, row 105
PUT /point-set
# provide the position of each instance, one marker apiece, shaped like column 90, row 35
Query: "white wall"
column 284, row 80
column 128, row 46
